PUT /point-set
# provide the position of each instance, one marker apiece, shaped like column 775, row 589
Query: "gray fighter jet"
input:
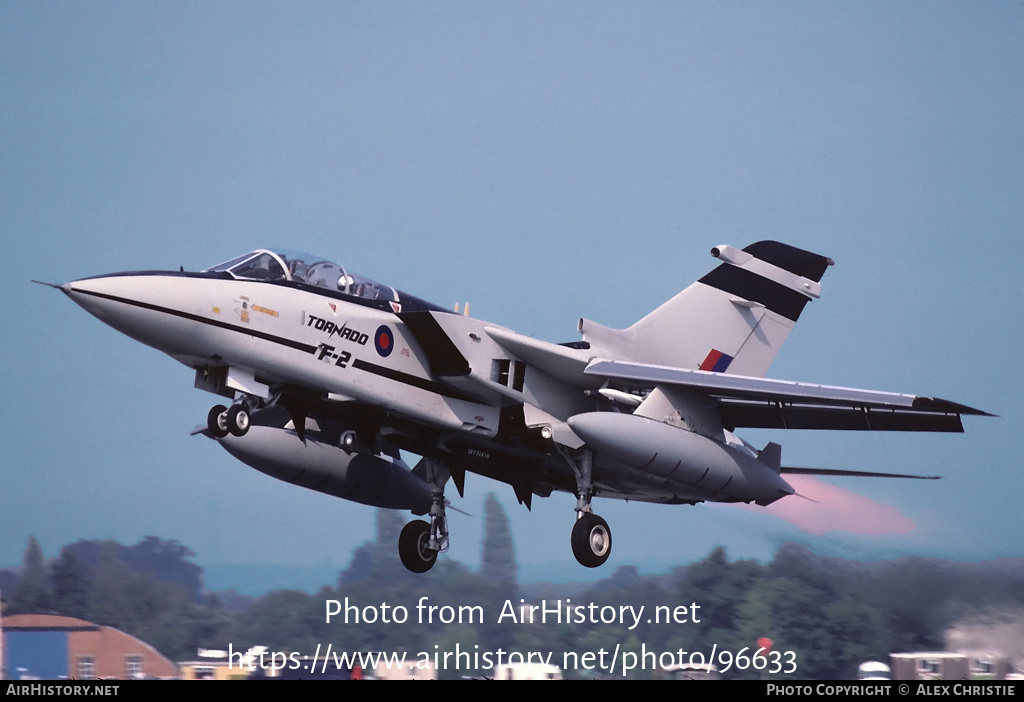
column 330, row 375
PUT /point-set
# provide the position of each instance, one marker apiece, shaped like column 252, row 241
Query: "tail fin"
column 734, row 319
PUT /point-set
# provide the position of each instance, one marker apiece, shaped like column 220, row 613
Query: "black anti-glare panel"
column 442, row 355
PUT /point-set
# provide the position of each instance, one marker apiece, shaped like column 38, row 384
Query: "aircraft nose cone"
column 155, row 309
column 89, row 294
column 106, row 297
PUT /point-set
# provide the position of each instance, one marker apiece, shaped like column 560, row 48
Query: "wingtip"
column 937, row 404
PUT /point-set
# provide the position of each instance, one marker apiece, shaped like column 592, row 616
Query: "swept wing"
column 744, row 401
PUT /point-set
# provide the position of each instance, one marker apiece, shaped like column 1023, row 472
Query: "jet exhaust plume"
column 829, row 508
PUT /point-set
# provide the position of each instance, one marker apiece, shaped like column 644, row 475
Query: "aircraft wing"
column 779, row 404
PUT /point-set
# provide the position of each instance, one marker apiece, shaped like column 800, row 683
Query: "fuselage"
column 332, row 375
column 343, row 344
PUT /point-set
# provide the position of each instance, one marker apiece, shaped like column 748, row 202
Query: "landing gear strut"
column 591, row 537
column 420, row 542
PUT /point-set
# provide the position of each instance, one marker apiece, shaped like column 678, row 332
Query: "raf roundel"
column 384, row 340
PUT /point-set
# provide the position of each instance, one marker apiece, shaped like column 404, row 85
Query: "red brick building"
column 49, row 647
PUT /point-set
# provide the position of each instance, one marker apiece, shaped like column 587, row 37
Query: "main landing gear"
column 591, row 540
column 591, row 537
column 420, row 541
column 414, row 547
column 222, row 420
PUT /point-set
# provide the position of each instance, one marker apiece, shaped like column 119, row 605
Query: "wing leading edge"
column 780, row 404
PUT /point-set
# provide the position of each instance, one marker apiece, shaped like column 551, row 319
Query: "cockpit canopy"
column 296, row 266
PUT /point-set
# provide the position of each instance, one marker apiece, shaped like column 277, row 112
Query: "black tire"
column 238, row 420
column 216, row 422
column 591, row 540
column 413, row 547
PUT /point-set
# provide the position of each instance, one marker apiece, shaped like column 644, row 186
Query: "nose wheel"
column 217, row 421
column 238, row 419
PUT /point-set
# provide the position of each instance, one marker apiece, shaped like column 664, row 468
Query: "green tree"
column 32, row 595
column 498, row 561
column 71, row 585
column 857, row 633
column 720, row 589
column 375, row 561
column 167, row 561
column 497, row 576
column 283, row 620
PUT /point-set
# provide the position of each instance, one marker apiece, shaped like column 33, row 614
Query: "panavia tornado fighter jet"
column 329, row 375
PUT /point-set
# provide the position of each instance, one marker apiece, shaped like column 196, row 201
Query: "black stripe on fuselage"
column 414, row 380
column 382, row 371
column 290, row 343
column 756, row 288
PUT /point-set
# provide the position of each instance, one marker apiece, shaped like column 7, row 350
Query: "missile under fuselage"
column 701, row 467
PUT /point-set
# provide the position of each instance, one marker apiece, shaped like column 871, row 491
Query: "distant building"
column 295, row 667
column 988, row 665
column 527, row 671
column 874, row 670
column 947, row 665
column 210, row 670
column 408, row 670
column 929, row 665
column 215, row 665
column 50, row 647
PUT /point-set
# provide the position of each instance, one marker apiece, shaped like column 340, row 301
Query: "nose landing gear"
column 222, row 420
column 217, row 421
column 238, row 419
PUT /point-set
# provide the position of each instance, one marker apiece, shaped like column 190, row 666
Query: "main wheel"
column 217, row 421
column 414, row 547
column 238, row 420
column 591, row 540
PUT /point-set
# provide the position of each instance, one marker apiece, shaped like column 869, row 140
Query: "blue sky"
column 543, row 161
